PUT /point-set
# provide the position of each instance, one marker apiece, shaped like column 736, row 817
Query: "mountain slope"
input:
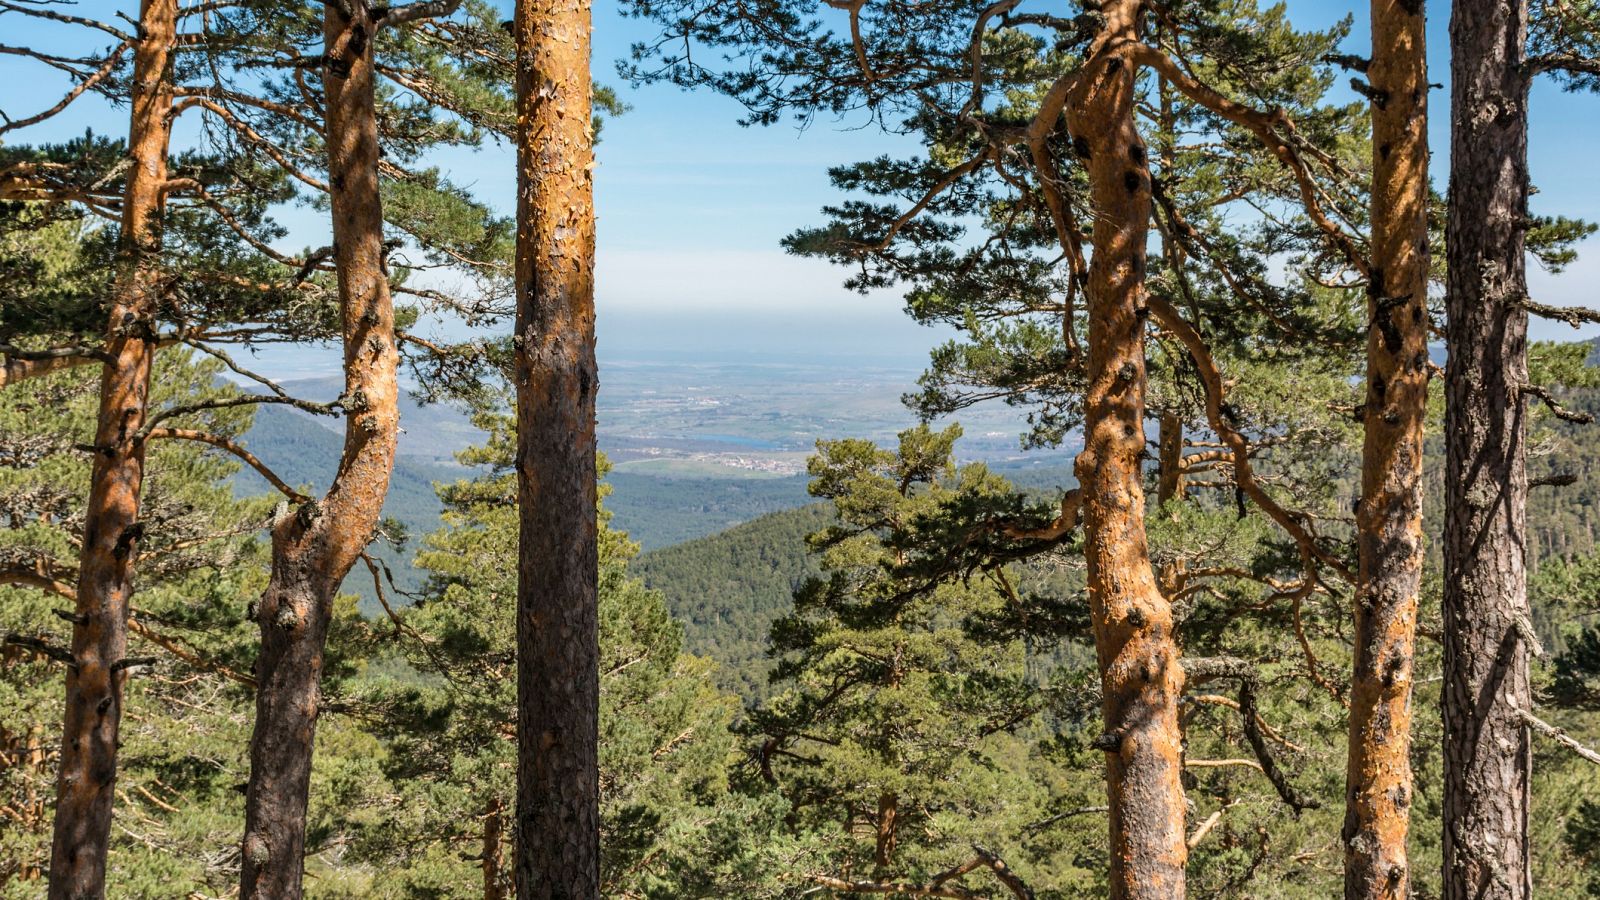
column 727, row 589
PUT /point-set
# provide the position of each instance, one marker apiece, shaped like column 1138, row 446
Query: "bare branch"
column 940, row 884
column 38, row 13
column 223, row 443
column 39, row 575
column 230, row 403
column 1563, row 61
column 89, row 81
column 177, row 649
column 1560, row 736
column 423, row 9
column 1556, row 409
column 17, row 364
column 1576, row 316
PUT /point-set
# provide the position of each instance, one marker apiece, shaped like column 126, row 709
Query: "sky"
column 692, row 206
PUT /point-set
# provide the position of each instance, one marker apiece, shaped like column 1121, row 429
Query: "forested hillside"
column 660, row 511
column 727, row 589
column 1234, row 531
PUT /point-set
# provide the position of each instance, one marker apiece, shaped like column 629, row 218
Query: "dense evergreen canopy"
column 1317, row 611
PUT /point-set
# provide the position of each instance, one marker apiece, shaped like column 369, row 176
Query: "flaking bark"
column 1141, row 678
column 1486, row 748
column 315, row 545
column 1389, row 520
column 557, row 853
column 86, row 781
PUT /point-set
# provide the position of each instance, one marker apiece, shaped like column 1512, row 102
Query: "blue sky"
column 692, row 206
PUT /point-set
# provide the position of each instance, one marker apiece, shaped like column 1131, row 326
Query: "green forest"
column 1286, row 586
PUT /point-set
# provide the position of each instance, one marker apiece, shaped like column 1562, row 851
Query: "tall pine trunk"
column 1486, row 758
column 558, row 653
column 86, row 782
column 315, row 545
column 1140, row 675
column 1389, row 520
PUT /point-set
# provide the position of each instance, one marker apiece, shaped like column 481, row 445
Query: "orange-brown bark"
column 316, row 543
column 1389, row 519
column 1141, row 678
column 20, row 365
column 85, row 785
column 15, row 369
column 558, row 655
column 1169, row 458
column 884, row 843
column 492, row 855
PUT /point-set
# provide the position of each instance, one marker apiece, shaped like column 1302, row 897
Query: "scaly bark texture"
column 1378, row 789
column 1140, row 676
column 315, row 544
column 86, row 782
column 558, row 653
column 887, row 829
column 1486, row 749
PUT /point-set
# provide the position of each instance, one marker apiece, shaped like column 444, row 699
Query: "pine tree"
column 1488, row 619
column 1033, row 124
column 188, row 647
column 904, row 712
column 671, row 824
column 1389, row 519
column 558, row 807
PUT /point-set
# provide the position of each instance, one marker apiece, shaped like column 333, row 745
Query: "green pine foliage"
column 728, row 588
column 438, row 799
column 183, row 725
column 900, row 739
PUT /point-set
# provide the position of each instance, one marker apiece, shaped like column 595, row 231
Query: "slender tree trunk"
column 314, row 545
column 1486, row 749
column 1389, row 521
column 1169, row 450
column 1140, row 676
column 111, row 529
column 558, row 654
column 1171, row 483
column 492, row 857
column 887, row 829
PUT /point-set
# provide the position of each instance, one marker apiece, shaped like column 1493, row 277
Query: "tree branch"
column 223, row 443
column 1562, row 61
column 1560, row 736
column 1243, row 473
column 92, row 79
column 424, row 9
column 1576, row 316
column 17, row 364
column 1232, row 667
column 1265, row 126
column 1556, row 409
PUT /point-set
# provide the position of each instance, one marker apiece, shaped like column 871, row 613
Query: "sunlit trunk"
column 316, row 543
column 558, row 655
column 1389, row 520
column 86, row 784
column 1140, row 675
